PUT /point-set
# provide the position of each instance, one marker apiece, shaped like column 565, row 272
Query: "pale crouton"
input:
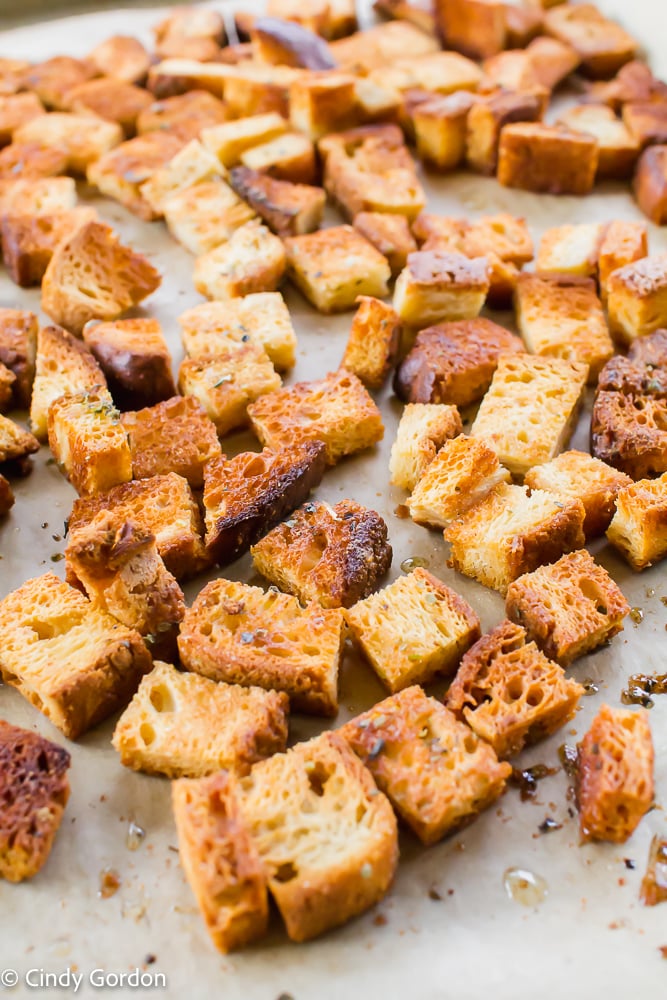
column 39, row 196
column 112, row 100
column 509, row 693
column 29, row 160
column 547, row 158
column 52, row 79
column 422, row 430
column 639, row 527
column 650, row 184
column 440, row 286
column 637, row 298
column 336, row 410
column 262, row 318
column 615, row 774
column 190, row 32
column 372, row 342
column 15, row 442
column 436, row 773
column 320, row 103
column 432, row 73
column 623, row 243
column 488, row 117
column 29, row 241
column 84, row 138
column 441, row 128
column 390, row 235
column 121, row 57
column 572, row 250
column 544, row 62
column 184, row 116
column 193, row 164
column 135, row 359
column 18, row 347
column 245, row 496
column 16, row 110
column 290, row 157
column 62, row 365
column 618, row 148
column 253, row 260
column 242, row 635
column 203, row 217
column 603, row 46
column 287, row 209
column 7, row 498
column 229, row 140
column 121, row 173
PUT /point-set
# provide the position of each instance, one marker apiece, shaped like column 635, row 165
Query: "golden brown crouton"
column 18, row 346
column 289, row 157
column 63, row 365
column 615, row 774
column 422, row 430
column 29, row 160
column 639, row 527
column 15, row 110
column 12, row 72
column 34, row 790
column 436, row 773
column 39, row 196
column 286, row 43
column 287, row 209
column 329, row 18
column 191, row 32
column 121, row 57
column 320, row 103
column 184, row 115
column 7, row 382
column 646, row 122
column 547, row 158
column 509, row 693
column 252, row 260
column 382, row 45
column 332, row 555
column 476, row 27
column 122, row 171
column 618, row 148
column 74, row 663
column 418, row 13
column 229, row 140
column 206, row 215
column 390, row 235
column 7, row 499
column 112, row 100
column 52, row 79
column 623, row 243
column 135, row 359
column 544, row 62
column 193, row 164
column 247, row 495
column 29, row 241
column 650, row 184
column 413, row 630
column 88, row 441
column 637, row 298
column 602, row 45
column 262, row 318
column 441, row 128
column 83, row 138
column 440, row 286
column 336, row 410
column 15, row 442
column 373, row 342
column 488, row 117
column 242, row 635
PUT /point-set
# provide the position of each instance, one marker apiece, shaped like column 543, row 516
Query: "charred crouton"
column 122, row 171
column 29, row 160
column 390, row 235
column 184, row 116
column 15, row 442
column 615, row 774
column 173, row 436
column 98, row 662
column 618, row 148
column 486, row 120
column 382, row 45
column 252, row 260
column 547, row 158
column 287, row 209
column 206, row 215
column 331, row 555
column 262, row 318
column 62, row 366
column 18, row 347
column 463, row 473
column 7, row 499
column 509, row 693
column 336, row 410
column 193, row 164
column 112, row 100
column 242, row 635
column 530, row 409
column 290, row 157
column 29, row 241
column 646, row 122
column 121, row 57
column 453, row 362
column 436, row 773
column 570, row 250
column 623, row 243
column 230, row 139
column 513, row 531
column 135, row 359
column 52, row 79
column 637, row 298
column 441, row 128
column 422, row 430
column 92, row 275
column 579, row 476
column 440, row 286
column 83, row 138
column 650, row 184
column 16, row 110
column 320, row 103
column 35, row 790
column 88, row 442
column 7, row 382
column 191, row 32
column 39, row 196
column 476, row 27
column 247, row 495
column 286, row 43
column 603, row 46
column 373, row 342
column 650, row 350
column 639, row 527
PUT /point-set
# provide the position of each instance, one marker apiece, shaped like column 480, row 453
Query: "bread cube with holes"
column 230, row 140
column 185, row 115
column 261, row 318
column 422, row 430
column 16, row 444
column 602, row 45
column 29, row 241
column 289, row 157
column 615, row 781
column 287, row 209
column 172, row 725
column 441, row 127
column 18, row 348
column 571, row 249
column 373, row 342
column 112, row 100
column 512, row 531
column 390, row 235
column 122, row 58
column 62, row 366
column 547, row 159
column 253, row 260
column 247, row 495
column 440, row 286
column 487, row 118
column 618, row 148
column 331, row 555
column 637, row 298
column 122, row 171
column 88, row 441
column 334, row 266
column 193, row 164
column 476, row 27
column 135, row 359
column 509, row 693
column 242, row 635
column 650, row 184
column 623, row 243
column 205, row 216
column 53, row 78
column 336, row 410
column 639, row 526
column 73, row 662
column 434, row 770
column 463, row 473
column 82, row 138
column 15, row 110
column 413, row 630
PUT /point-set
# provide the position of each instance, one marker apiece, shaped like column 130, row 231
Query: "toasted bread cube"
column 512, row 69
column 530, row 410
column 173, row 436
column 247, row 495
column 406, row 10
column 618, row 148
column 282, row 42
column 422, row 430
column 290, row 157
column 121, row 173
column 287, row 209
column 650, row 350
column 112, row 100
column 638, row 529
column 476, row 27
column 435, row 772
column 7, row 499
column 18, row 347
column 329, row 19
column 441, row 126
column 463, row 473
column 262, row 318
column 390, row 235
column 184, row 115
column 15, row 110
column 650, row 184
column 191, row 32
column 220, row 860
column 40, row 196
column 568, row 608
column 637, row 298
column 7, row 381
column 320, row 103
column 502, row 274
column 382, row 45
column 334, row 266
column 135, row 359
column 602, row 45
column 84, row 138
column 163, row 506
column 74, row 663
column 121, row 57
column 336, row 410
column 331, row 555
column 35, row 790
column 12, row 74
column 433, row 73
column 29, row 241
column 504, row 234
column 547, row 158
column 62, row 366
column 29, row 160
column 206, row 215
column 486, row 121
column 373, row 342
column 453, row 362
column 52, row 79
column 647, row 122
column 511, row 532
column 509, row 693
column 229, row 140
column 242, row 635
column 615, row 774
column 253, row 260
column 88, row 442
column 175, row 76
column 570, row 250
column 543, row 62
column 440, row 286
column 623, row 243
column 193, row 164
column 15, row 442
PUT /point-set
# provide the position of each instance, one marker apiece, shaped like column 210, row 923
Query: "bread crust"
column 112, row 100
column 135, row 359
column 289, row 157
column 15, row 442
column 15, row 109
column 618, row 148
column 28, row 242
column 230, row 139
column 486, row 120
column 121, row 57
column 436, row 285
column 7, row 499
column 637, row 298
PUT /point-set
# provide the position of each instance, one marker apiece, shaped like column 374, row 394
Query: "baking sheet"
column 589, row 937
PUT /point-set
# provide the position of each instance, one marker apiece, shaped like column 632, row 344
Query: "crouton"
column 29, row 241
column 505, row 235
column 62, row 366
column 434, row 73
column 441, row 126
column 476, row 27
column 7, row 381
column 570, row 250
column 135, row 359
column 463, row 473
column 39, row 196
column 650, row 184
column 15, row 110
column 618, row 149
column 112, row 100
column 229, row 140
column 650, row 350
column 193, row 164
column 7, row 499
column 52, row 79
column 637, row 298
column 18, row 347
column 440, row 286
column 435, row 772
column 30, row 161
column 121, row 173
column 242, row 635
column 331, row 555
column 547, row 158
column 35, row 790
column 255, row 88
column 382, row 45
column 373, row 342
column 176, row 76
column 184, row 115
column 173, row 436
column 639, row 526
column 513, row 69
column 390, row 235
column 487, row 119
column 98, row 662
column 422, row 430
column 88, row 442
column 220, row 860
column 333, row 19
column 15, row 442
column 83, row 138
column 376, row 102
column 121, row 57
column 615, row 774
column 206, row 215
column 286, row 43
column 244, row 497
column 12, row 72
column 287, row 209
column 191, row 32
column 509, row 693
column 334, row 266
column 647, row 123
column 623, row 243
column 603, row 46
column 653, row 889
column 262, row 318
column 290, row 157
column 415, row 12
column 543, row 62
column 320, row 103
column 336, row 410
column 252, row 260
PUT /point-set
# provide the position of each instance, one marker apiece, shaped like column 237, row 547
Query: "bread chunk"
column 122, row 171
column 382, row 45
column 570, row 250
column 322, row 102
column 547, row 158
column 185, row 115
column 29, row 241
column 62, row 366
column 615, row 775
column 7, row 380
column 73, row 662
column 441, row 128
column 253, row 260
column 286, row 43
column 422, row 430
column 7, row 498
column 512, row 532
column 436, row 773
column 336, row 410
column 646, row 122
column 331, row 20
column 602, row 45
column 650, row 350
column 413, row 630
column 373, row 342
column 639, row 527
column 88, row 441
column 172, row 725
column 32, row 162
column 486, row 120
column 82, row 138
column 34, row 790
column 623, row 243
column 121, row 57
column 135, row 359
column 230, row 139
column 440, row 286
column 287, row 209
column 18, row 347
column 618, row 148
column 261, row 318
column 205, row 216
column 53, row 78
column 39, row 196
column 190, row 32
column 247, row 495
column 15, row 110
column 15, row 442
column 175, row 76
column 543, row 62
column 289, row 157
column 650, row 184
column 242, row 635
column 191, row 165
column 112, row 100
column 476, row 27
column 637, row 298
